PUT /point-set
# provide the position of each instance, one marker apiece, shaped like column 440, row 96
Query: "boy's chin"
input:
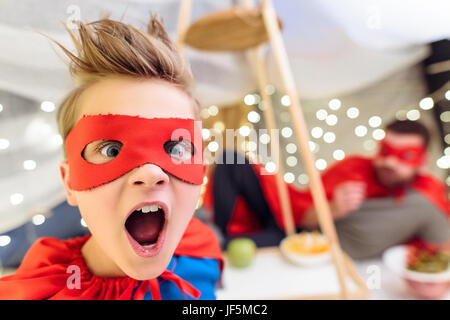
column 141, row 276
column 151, row 269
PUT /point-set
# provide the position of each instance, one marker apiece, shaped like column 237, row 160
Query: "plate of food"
column 306, row 248
column 426, row 270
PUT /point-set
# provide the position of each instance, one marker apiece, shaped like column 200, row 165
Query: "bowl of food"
column 306, row 248
column 425, row 270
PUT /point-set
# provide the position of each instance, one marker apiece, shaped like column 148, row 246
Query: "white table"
column 271, row 276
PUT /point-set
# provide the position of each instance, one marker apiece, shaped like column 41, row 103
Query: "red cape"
column 43, row 272
column 355, row 168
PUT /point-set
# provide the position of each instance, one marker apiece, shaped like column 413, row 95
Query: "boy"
column 132, row 169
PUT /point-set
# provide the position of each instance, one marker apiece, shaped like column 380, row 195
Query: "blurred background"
column 357, row 66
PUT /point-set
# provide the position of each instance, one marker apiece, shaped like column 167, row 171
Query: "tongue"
column 145, row 227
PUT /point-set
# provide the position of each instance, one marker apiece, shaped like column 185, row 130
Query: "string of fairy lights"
column 40, row 131
column 329, row 116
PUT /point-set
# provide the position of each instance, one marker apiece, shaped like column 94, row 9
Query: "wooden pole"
column 183, row 23
column 257, row 61
column 300, row 128
column 282, row 189
column 353, row 273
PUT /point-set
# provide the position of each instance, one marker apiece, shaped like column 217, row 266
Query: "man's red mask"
column 142, row 141
column 413, row 156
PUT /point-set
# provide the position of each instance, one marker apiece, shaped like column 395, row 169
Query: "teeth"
column 152, row 208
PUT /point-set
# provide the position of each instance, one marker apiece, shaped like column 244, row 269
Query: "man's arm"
column 347, row 197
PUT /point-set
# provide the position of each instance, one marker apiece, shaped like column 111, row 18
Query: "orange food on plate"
column 307, row 243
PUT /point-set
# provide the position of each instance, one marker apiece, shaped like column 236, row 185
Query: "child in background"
column 133, row 165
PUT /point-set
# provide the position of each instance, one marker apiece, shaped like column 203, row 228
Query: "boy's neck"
column 98, row 262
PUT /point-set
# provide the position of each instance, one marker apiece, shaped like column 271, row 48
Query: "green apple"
column 241, row 252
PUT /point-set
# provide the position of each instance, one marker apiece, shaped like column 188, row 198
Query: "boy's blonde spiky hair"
column 108, row 48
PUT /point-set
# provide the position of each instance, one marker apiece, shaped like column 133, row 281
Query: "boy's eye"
column 111, row 150
column 102, row 151
column 181, row 150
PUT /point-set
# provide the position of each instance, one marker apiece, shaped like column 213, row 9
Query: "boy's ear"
column 64, row 171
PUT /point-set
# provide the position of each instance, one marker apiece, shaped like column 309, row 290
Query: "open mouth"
column 145, row 225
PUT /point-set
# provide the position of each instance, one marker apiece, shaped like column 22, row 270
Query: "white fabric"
column 331, row 49
column 387, row 24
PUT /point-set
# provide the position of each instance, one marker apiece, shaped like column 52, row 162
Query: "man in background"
column 376, row 202
column 388, row 199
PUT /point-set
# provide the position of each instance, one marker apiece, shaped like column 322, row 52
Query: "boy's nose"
column 148, row 175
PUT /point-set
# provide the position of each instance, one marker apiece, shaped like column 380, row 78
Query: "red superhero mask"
column 413, row 156
column 173, row 144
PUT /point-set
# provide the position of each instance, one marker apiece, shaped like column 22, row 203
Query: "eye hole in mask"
column 102, row 151
column 408, row 155
column 180, row 149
